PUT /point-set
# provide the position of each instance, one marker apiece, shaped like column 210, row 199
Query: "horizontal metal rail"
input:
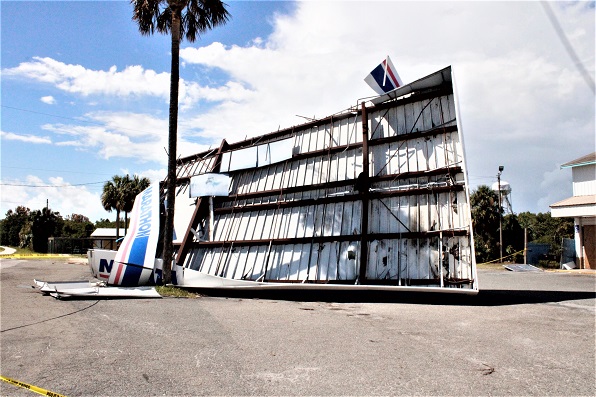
column 337, row 184
column 353, row 197
column 446, row 90
column 330, row 239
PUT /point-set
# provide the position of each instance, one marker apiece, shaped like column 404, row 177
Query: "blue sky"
column 85, row 96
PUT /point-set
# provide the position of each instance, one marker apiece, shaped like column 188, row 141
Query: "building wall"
column 584, row 180
column 589, row 234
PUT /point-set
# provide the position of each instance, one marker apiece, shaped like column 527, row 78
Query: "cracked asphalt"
column 523, row 334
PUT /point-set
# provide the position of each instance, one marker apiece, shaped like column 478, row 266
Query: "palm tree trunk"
column 172, row 138
column 117, row 223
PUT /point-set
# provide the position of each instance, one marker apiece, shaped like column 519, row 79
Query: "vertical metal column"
column 364, row 185
column 198, row 213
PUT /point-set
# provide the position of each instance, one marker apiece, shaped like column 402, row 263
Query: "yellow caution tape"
column 498, row 259
column 31, row 256
column 27, row 386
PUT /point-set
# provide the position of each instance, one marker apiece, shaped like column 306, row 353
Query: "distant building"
column 105, row 238
column 582, row 208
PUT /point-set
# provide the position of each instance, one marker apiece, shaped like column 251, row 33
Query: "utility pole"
column 501, row 168
column 525, row 245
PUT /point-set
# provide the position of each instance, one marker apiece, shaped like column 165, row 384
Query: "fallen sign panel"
column 372, row 197
column 522, row 268
column 93, row 290
column 194, row 279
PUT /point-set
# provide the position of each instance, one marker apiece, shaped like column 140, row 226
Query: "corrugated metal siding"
column 301, row 220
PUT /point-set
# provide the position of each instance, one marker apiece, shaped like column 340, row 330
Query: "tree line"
column 25, row 228
column 540, row 228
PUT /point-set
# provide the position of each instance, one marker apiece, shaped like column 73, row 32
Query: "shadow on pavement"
column 485, row 297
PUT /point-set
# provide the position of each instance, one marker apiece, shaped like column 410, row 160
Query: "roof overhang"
column 576, row 206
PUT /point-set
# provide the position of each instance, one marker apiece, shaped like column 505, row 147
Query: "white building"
column 582, row 208
column 105, row 238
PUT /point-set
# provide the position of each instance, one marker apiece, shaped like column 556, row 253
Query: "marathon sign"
column 135, row 259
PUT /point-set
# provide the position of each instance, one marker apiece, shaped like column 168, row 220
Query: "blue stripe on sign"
column 138, row 250
column 378, row 74
column 132, row 275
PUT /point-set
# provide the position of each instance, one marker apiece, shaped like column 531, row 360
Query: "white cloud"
column 155, row 176
column 138, row 136
column 11, row 136
column 524, row 103
column 132, row 81
column 50, row 100
column 555, row 185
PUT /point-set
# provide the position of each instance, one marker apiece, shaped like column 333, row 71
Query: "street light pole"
column 501, row 168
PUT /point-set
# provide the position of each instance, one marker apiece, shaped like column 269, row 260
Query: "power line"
column 50, row 170
column 568, row 47
column 73, row 185
column 73, row 119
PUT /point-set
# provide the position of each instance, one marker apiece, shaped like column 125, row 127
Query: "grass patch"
column 23, row 251
column 175, row 292
column 27, row 253
column 491, row 266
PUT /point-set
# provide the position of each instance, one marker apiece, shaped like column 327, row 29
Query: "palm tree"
column 133, row 187
column 180, row 18
column 111, row 198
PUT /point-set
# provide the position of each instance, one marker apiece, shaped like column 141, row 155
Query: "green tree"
column 77, row 226
column 181, row 19
column 513, row 236
column 133, row 187
column 44, row 224
column 105, row 223
column 484, row 204
column 12, row 225
column 544, row 229
column 112, row 198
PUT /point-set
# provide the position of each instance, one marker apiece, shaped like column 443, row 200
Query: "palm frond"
column 201, row 16
column 146, row 14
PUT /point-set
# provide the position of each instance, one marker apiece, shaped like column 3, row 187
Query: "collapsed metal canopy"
column 375, row 196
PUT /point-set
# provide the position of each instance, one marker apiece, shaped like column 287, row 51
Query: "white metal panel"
column 399, row 259
column 184, row 207
column 584, row 180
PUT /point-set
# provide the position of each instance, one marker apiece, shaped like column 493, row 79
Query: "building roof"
column 576, row 200
column 106, row 232
column 584, row 160
column 576, row 206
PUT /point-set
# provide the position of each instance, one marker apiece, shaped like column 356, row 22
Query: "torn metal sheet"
column 210, row 184
column 522, row 268
column 257, row 156
column 91, row 289
column 375, row 195
column 569, row 266
column 196, row 279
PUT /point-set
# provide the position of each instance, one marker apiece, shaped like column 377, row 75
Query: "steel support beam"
column 199, row 212
column 328, row 239
column 287, row 132
column 364, row 185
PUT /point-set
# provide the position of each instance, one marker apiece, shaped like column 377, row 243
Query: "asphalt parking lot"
column 523, row 334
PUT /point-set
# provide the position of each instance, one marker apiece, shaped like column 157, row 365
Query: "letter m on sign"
column 104, row 266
